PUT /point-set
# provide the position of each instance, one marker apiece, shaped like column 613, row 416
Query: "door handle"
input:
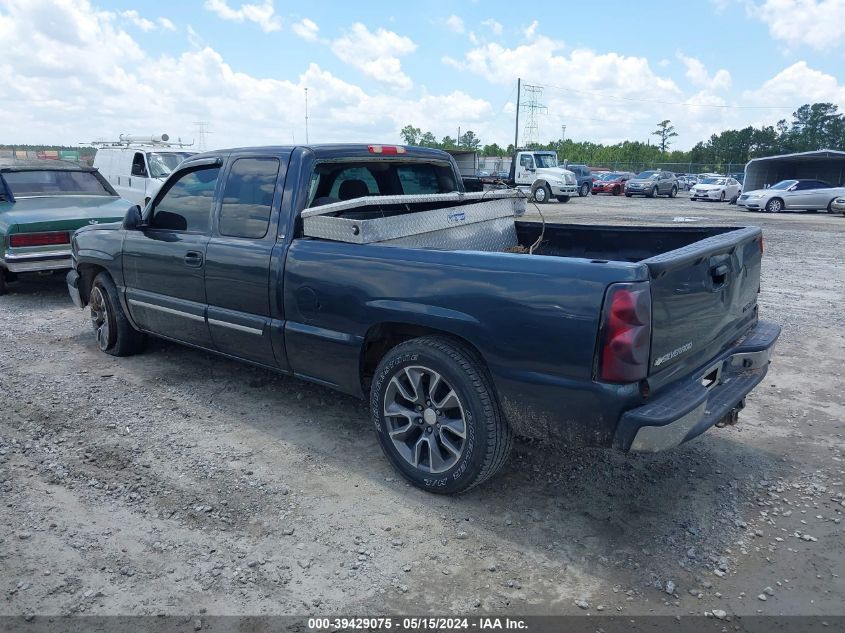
column 193, row 259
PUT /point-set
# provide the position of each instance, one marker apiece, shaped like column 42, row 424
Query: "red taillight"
column 39, row 239
column 626, row 333
column 761, row 244
column 386, row 149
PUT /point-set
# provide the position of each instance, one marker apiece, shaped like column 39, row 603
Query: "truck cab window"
column 526, row 161
column 248, row 198
column 186, row 204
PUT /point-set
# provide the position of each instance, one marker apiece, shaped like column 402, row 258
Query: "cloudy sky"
column 79, row 70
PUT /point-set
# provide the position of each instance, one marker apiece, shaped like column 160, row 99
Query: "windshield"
column 783, row 184
column 611, row 176
column 546, row 160
column 55, row 183
column 647, row 174
column 713, row 181
column 163, row 163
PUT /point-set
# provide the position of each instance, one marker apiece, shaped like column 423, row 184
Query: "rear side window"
column 248, row 197
column 55, row 183
column 186, row 205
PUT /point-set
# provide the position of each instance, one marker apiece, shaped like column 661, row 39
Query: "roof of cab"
column 328, row 150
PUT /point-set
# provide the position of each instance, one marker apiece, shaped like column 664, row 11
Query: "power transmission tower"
column 533, row 108
column 202, row 134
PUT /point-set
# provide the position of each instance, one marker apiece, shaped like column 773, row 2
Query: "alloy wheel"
column 425, row 419
column 100, row 318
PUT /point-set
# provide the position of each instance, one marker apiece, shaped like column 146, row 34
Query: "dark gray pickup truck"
column 368, row 269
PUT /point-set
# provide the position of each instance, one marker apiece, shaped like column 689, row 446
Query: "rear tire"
column 584, row 191
column 541, row 193
column 460, row 438
column 563, row 199
column 3, row 286
column 673, row 192
column 722, row 197
column 628, row 195
column 115, row 335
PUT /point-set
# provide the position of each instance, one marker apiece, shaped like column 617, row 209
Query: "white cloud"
column 530, row 30
column 698, row 75
column 74, row 73
column 306, row 29
column 495, row 27
column 455, row 24
column 263, row 14
column 813, row 23
column 135, row 18
column 799, row 84
column 166, row 24
column 375, row 54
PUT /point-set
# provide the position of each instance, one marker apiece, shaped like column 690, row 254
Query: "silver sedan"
column 788, row 195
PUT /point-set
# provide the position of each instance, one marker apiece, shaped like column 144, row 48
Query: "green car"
column 42, row 202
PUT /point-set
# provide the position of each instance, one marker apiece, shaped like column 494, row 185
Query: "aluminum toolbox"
column 482, row 220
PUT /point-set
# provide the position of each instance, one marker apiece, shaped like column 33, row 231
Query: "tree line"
column 812, row 127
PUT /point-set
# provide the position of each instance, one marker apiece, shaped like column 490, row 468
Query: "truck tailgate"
column 704, row 297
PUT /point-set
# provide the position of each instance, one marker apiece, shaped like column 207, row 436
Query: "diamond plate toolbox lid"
column 459, row 209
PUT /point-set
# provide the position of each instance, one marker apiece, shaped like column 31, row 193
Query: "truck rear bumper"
column 692, row 406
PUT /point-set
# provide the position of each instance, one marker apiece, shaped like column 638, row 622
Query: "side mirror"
column 133, row 220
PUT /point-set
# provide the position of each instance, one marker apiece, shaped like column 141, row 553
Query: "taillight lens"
column 626, row 333
column 39, row 239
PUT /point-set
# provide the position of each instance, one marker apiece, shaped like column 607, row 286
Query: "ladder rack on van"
column 152, row 140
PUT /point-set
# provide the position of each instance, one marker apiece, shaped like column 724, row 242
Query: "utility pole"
column 533, row 107
column 516, row 133
column 306, row 116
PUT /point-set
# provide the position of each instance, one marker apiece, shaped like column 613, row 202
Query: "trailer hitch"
column 732, row 416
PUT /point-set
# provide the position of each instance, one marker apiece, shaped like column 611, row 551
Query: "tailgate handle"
column 719, row 274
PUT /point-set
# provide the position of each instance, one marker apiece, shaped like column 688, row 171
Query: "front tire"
column 541, row 193
column 563, row 199
column 436, row 416
column 628, row 195
column 654, row 193
column 775, row 205
column 584, row 191
column 115, row 336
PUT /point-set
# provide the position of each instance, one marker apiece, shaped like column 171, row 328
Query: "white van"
column 137, row 168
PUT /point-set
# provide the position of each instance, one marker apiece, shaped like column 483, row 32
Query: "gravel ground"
column 176, row 482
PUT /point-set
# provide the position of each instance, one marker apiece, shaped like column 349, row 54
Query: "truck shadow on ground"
column 659, row 516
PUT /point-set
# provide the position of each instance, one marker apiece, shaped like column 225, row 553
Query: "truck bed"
column 612, row 243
